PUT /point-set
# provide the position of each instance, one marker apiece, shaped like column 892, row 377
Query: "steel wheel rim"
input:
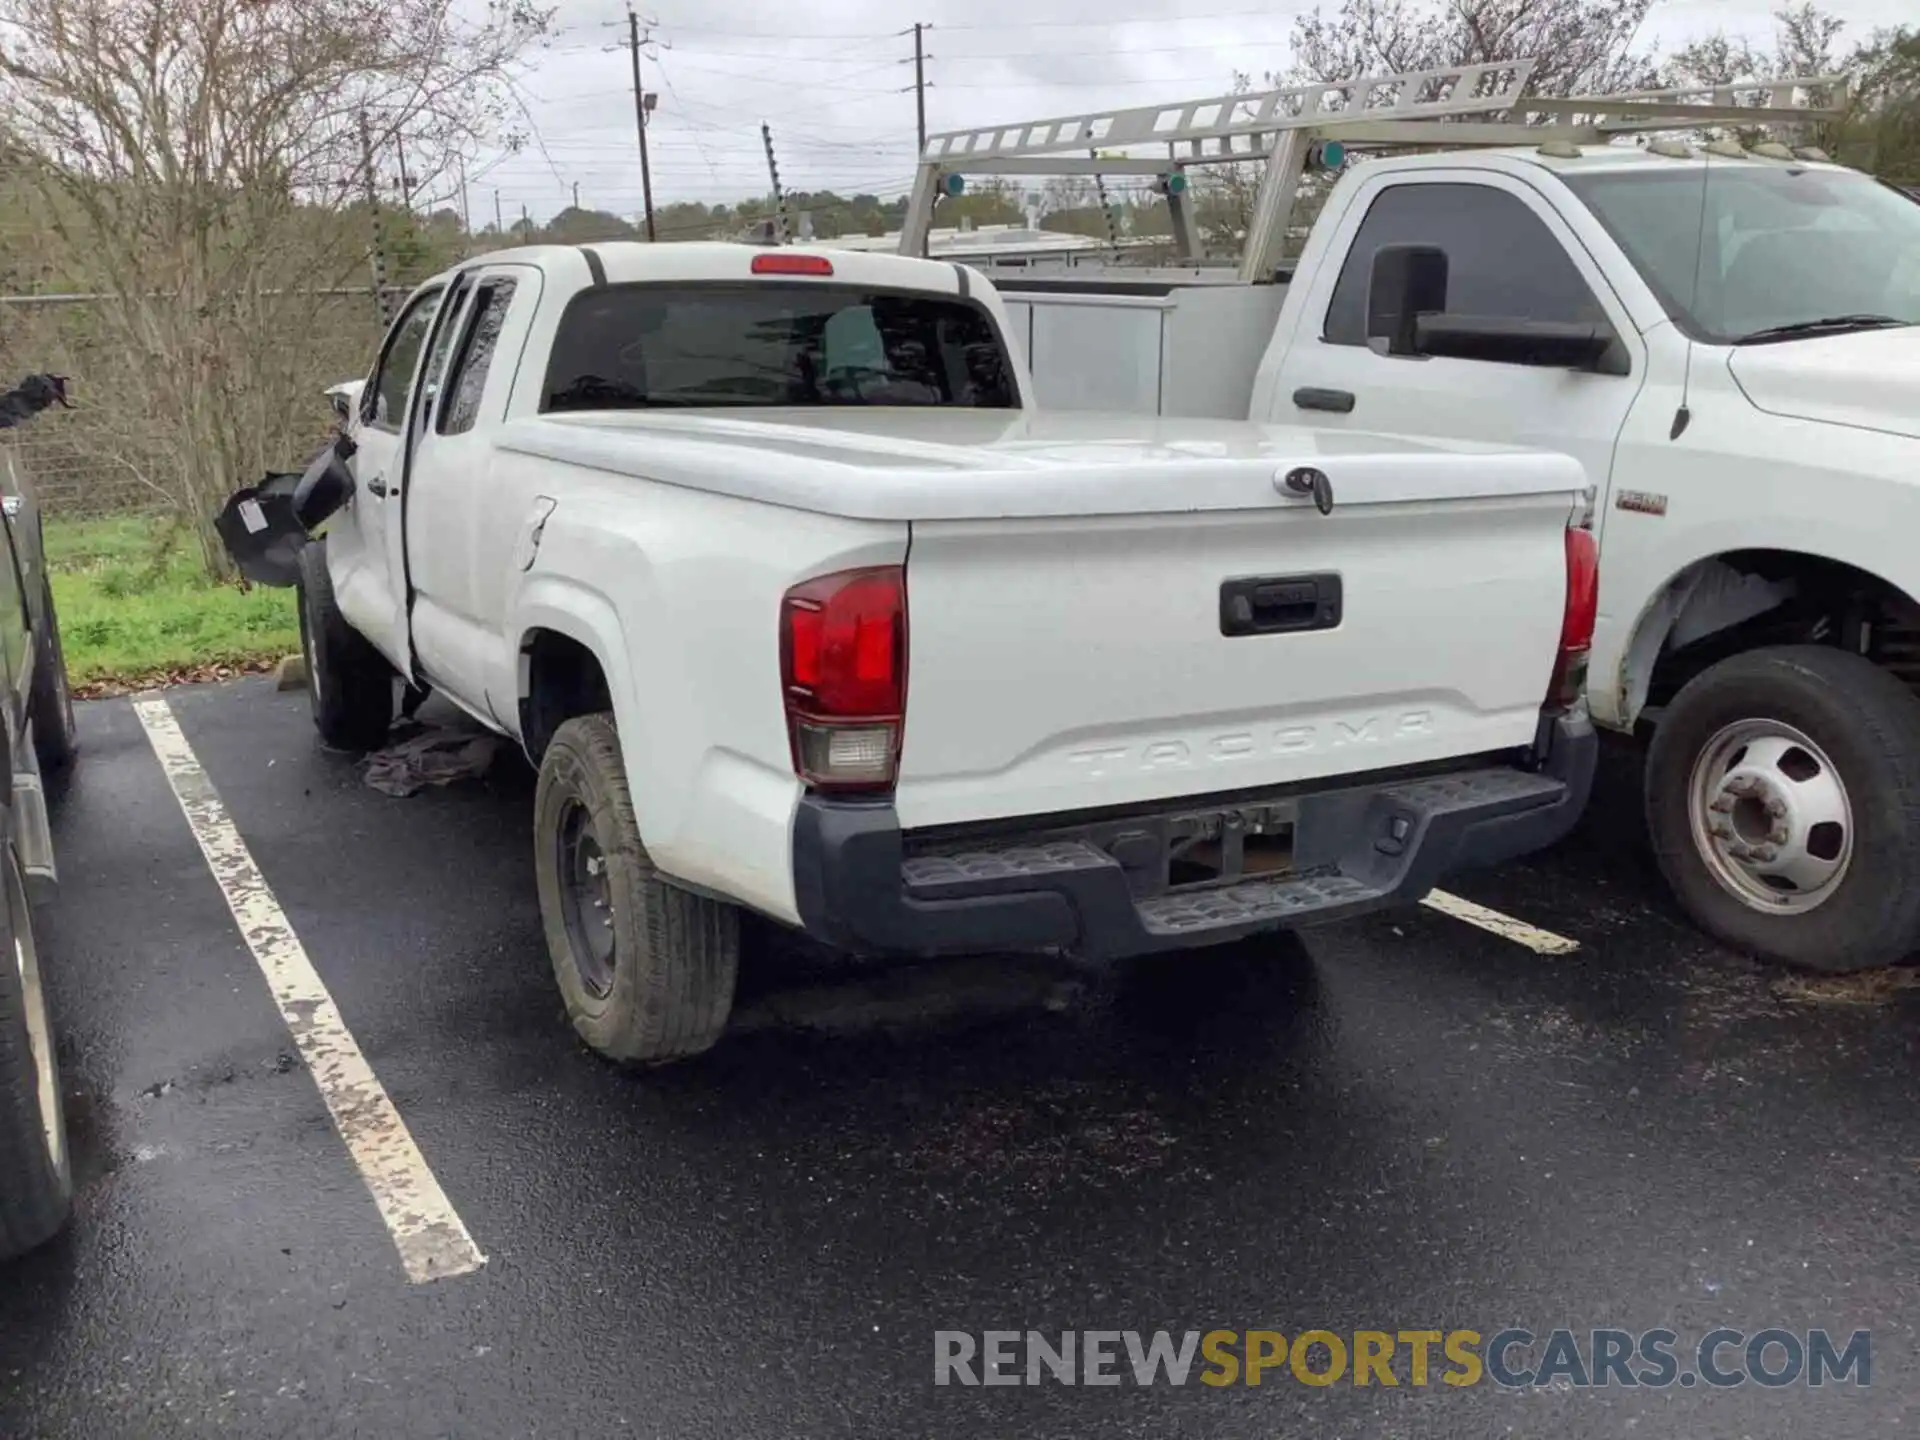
column 1770, row 816
column 39, row 1038
column 586, row 899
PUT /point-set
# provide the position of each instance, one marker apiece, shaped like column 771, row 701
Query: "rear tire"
column 1769, row 748
column 646, row 969
column 50, row 706
column 349, row 683
column 36, row 1178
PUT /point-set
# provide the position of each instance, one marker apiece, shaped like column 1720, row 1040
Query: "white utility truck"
column 799, row 606
column 1726, row 338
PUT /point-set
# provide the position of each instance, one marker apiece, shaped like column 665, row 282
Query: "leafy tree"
column 578, row 227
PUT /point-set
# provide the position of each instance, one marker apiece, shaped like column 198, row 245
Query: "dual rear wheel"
column 1783, row 802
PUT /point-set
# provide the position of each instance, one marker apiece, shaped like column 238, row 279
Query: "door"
column 363, row 540
column 450, row 500
column 1509, row 256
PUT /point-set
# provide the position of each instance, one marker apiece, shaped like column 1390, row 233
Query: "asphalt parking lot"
column 1399, row 1123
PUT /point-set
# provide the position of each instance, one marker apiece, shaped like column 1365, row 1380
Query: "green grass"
column 136, row 605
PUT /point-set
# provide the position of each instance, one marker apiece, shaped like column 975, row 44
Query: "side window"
column 1502, row 261
column 449, row 326
column 387, row 403
column 467, row 381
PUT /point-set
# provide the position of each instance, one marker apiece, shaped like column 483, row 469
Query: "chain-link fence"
column 102, row 457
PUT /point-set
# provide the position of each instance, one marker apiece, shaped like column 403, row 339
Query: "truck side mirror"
column 342, row 407
column 1407, row 282
column 1550, row 344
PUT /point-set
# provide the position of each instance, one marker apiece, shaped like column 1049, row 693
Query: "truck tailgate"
column 1062, row 663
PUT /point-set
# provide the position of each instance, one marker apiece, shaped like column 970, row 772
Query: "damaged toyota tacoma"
column 765, row 558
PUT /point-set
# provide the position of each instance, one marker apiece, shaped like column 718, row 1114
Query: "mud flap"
column 264, row 526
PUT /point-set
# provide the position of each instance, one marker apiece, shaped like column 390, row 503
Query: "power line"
column 1107, row 22
column 667, row 80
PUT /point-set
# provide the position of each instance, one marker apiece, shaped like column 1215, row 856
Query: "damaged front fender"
column 1705, row 598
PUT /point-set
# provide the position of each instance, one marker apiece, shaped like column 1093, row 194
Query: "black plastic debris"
column 32, row 395
column 263, row 526
column 258, row 527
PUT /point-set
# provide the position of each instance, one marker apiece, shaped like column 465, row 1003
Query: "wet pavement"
column 1396, row 1124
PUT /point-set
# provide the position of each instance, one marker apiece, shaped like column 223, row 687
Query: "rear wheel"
column 349, row 683
column 36, row 1180
column 646, row 968
column 1783, row 798
column 50, row 706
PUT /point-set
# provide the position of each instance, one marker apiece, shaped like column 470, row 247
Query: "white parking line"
column 432, row 1241
column 1543, row 942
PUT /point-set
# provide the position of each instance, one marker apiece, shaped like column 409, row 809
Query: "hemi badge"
column 1645, row 501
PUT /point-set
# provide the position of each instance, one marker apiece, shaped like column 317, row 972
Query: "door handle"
column 1312, row 397
column 377, row 486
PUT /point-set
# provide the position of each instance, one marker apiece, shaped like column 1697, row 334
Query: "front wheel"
column 349, row 683
column 1783, row 801
column 36, row 1181
column 646, row 969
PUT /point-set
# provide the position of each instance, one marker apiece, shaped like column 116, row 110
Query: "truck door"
column 452, row 501
column 363, row 540
column 1508, row 255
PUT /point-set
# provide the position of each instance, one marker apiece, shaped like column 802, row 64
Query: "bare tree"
column 204, row 164
column 1803, row 45
column 1578, row 46
column 1880, row 128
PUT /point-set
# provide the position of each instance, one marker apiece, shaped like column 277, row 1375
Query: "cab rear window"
column 652, row 346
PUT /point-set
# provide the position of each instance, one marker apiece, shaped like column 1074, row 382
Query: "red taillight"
column 843, row 672
column 1576, row 620
column 779, row 262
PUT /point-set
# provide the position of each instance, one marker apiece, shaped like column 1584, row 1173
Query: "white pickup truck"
column 1727, row 340
column 768, row 563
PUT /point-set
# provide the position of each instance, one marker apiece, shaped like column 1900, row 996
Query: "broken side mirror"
column 345, row 399
column 1408, row 281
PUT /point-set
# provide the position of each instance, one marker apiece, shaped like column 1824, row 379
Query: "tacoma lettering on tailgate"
column 1245, row 744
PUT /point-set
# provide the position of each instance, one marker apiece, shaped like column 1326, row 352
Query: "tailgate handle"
column 1279, row 604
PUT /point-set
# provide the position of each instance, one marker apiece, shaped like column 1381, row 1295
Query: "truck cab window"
column 1502, row 262
column 467, row 381
column 633, row 346
column 394, row 378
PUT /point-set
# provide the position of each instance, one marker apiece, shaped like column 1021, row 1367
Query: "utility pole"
column 499, row 225
column 526, row 223
column 379, row 256
column 576, row 194
column 773, row 174
column 1106, row 209
column 640, row 119
column 920, row 85
column 466, row 210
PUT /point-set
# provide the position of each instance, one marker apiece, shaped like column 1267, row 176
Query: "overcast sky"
column 834, row 79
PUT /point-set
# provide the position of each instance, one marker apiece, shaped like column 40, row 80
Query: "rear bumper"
column 1100, row 887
